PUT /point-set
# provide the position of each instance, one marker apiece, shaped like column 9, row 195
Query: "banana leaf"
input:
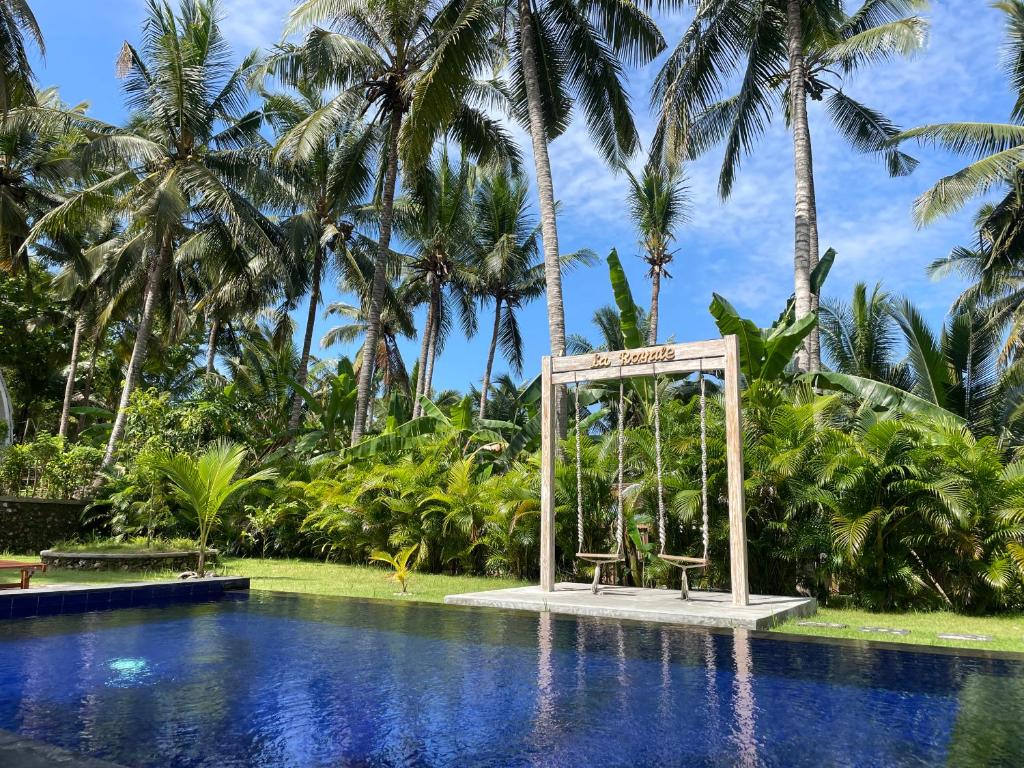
column 751, row 341
column 780, row 347
column 628, row 317
column 879, row 395
column 820, row 272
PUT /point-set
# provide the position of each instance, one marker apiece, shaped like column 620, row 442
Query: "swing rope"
column 599, row 559
column 682, row 562
column 704, row 464
column 579, row 471
column 622, row 442
column 662, row 534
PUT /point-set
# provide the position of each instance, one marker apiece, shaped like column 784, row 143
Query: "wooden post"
column 734, row 465
column 548, row 454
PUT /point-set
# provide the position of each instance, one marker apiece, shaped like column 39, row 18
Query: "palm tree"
column 439, row 226
column 329, row 176
column 659, row 204
column 994, row 269
column 262, row 367
column 229, row 280
column 6, row 414
column 79, row 281
column 563, row 53
column 414, row 63
column 998, row 148
column 399, row 563
column 956, row 370
column 396, row 321
column 861, row 338
column 36, row 166
column 784, row 52
column 182, row 159
column 203, row 485
column 609, row 328
column 509, row 270
column 952, row 375
column 16, row 23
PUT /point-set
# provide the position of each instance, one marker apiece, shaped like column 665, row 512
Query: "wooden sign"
column 634, row 356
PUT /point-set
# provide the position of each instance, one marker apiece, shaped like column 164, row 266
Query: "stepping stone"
column 885, row 630
column 956, row 636
column 828, row 624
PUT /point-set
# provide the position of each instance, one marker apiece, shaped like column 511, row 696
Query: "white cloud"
column 252, row 24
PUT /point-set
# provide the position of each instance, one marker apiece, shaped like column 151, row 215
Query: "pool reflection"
column 288, row 681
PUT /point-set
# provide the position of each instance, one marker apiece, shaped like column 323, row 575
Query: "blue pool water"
column 276, row 680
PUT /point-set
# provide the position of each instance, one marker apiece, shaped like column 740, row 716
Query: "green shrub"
column 48, row 467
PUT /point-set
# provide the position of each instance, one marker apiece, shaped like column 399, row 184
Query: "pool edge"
column 82, row 598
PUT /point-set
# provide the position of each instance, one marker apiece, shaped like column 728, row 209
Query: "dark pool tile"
column 120, row 598
column 50, row 605
column 75, row 602
column 205, row 589
column 180, row 591
column 98, row 600
column 5, row 607
column 23, row 606
column 141, row 595
column 162, row 594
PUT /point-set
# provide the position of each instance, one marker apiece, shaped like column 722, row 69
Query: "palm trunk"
column 379, row 279
column 803, row 200
column 652, row 331
column 154, row 284
column 201, row 562
column 428, row 379
column 546, row 194
column 91, row 377
column 69, row 387
column 6, row 414
column 421, row 363
column 490, row 357
column 814, row 339
column 307, row 340
column 211, row 347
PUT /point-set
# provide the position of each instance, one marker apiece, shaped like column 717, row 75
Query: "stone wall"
column 29, row 525
column 126, row 561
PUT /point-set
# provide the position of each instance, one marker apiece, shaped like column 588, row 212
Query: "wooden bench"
column 27, row 569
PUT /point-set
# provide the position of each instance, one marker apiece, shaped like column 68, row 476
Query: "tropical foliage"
column 163, row 279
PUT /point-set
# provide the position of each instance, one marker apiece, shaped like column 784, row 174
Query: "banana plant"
column 629, row 326
column 334, row 410
column 460, row 428
column 765, row 353
column 399, row 562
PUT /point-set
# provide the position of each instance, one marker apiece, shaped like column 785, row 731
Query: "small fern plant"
column 399, row 562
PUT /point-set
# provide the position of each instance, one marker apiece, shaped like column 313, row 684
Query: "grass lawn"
column 318, row 578
column 309, row 576
column 1006, row 631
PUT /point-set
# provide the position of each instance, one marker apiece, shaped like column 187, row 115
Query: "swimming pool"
column 281, row 680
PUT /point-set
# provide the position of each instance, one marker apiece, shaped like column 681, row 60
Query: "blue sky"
column 741, row 248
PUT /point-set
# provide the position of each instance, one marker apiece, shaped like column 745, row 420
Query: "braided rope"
column 662, row 536
column 579, row 472
column 622, row 439
column 704, row 462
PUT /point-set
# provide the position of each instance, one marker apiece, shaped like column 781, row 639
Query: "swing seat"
column 598, row 559
column 684, row 561
column 684, row 564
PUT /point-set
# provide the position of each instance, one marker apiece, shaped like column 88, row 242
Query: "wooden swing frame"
column 716, row 354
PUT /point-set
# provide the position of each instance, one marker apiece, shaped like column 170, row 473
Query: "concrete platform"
column 703, row 609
